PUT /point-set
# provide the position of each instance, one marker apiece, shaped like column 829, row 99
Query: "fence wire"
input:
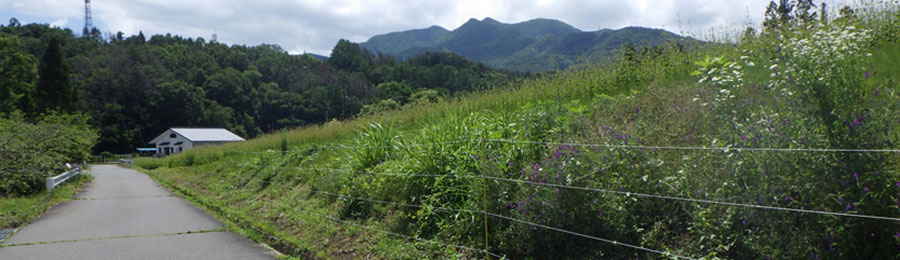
column 560, row 186
column 432, row 241
column 614, row 242
column 625, row 193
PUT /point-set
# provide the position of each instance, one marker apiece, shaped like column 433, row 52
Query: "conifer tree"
column 54, row 91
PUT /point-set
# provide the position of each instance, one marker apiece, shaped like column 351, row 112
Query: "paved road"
column 123, row 214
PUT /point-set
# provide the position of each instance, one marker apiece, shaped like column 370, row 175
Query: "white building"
column 178, row 139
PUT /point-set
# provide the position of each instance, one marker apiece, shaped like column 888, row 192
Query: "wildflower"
column 866, row 188
column 855, row 176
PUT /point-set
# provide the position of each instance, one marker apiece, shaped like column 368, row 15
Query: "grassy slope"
column 296, row 232
column 265, row 195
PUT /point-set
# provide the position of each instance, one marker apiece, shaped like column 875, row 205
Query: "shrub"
column 30, row 152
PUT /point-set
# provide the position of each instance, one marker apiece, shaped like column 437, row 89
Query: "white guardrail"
column 54, row 181
column 129, row 162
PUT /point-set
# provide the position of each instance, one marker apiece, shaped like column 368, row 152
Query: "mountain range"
column 531, row 46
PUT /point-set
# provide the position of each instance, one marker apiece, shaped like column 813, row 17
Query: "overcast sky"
column 316, row 25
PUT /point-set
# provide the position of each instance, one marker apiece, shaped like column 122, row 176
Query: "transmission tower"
column 88, row 21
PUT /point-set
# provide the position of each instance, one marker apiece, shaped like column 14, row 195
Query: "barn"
column 177, row 139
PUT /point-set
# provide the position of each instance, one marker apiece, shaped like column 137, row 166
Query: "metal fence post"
column 484, row 198
column 49, row 184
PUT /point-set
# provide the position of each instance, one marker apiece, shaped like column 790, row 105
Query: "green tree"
column 350, row 57
column 398, row 91
column 18, row 72
column 805, row 11
column 54, row 90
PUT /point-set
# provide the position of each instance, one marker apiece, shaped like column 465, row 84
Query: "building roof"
column 207, row 134
column 199, row 135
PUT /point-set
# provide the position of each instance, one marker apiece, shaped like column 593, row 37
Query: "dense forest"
column 135, row 87
column 535, row 45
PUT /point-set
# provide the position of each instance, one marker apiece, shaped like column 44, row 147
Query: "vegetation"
column 803, row 85
column 31, row 152
column 18, row 211
column 537, row 45
column 134, row 87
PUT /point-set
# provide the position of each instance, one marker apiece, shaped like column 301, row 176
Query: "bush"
column 30, row 152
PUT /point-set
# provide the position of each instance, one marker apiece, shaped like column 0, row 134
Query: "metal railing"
column 54, row 181
column 128, row 162
column 110, row 158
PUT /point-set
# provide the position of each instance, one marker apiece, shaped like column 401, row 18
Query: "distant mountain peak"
column 538, row 44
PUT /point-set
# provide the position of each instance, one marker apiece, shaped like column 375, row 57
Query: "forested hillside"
column 137, row 86
column 535, row 45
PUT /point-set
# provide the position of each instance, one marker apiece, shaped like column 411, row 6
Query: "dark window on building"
column 172, row 135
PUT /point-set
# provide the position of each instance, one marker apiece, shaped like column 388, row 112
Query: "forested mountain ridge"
column 535, row 45
column 135, row 87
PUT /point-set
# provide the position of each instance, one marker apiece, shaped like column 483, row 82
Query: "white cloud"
column 60, row 23
column 316, row 25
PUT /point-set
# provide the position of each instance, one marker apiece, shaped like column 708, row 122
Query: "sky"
column 315, row 26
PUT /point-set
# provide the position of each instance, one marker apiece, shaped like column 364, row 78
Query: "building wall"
column 171, row 148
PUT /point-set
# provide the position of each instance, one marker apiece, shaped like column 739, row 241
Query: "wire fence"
column 619, row 146
column 617, row 192
column 614, row 242
column 432, row 241
column 560, row 186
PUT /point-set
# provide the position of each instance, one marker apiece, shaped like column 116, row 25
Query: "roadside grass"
column 18, row 211
column 291, row 221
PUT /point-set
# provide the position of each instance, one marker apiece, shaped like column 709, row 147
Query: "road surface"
column 123, row 214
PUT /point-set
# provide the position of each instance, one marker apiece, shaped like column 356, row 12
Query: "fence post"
column 484, row 196
column 48, row 182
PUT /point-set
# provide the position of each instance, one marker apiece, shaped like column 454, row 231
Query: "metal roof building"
column 177, row 139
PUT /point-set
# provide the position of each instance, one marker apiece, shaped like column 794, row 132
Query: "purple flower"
column 841, row 198
column 855, row 176
column 743, row 222
column 848, row 207
column 866, row 188
column 867, row 75
column 898, row 184
column 778, row 48
column 787, row 197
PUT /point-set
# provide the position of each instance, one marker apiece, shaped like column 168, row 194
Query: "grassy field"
column 592, row 151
